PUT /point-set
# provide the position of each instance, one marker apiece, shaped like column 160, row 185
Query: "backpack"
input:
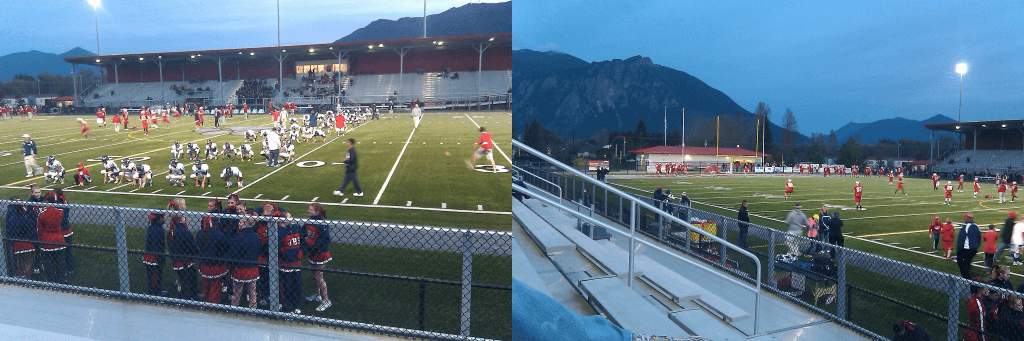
column 824, row 265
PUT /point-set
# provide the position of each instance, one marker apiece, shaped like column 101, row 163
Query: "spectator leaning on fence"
column 51, row 241
column 976, row 314
column 153, row 259
column 65, row 228
column 967, row 245
column 1011, row 320
column 744, row 224
column 795, row 223
column 245, row 250
column 317, row 239
column 290, row 255
column 19, row 224
column 212, row 246
column 182, row 247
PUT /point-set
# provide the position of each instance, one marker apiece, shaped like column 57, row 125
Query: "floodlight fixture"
column 961, row 68
column 94, row 3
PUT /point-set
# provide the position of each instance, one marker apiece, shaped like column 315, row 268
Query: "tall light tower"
column 95, row 5
column 961, row 68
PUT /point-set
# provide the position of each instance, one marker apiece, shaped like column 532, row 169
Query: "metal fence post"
column 467, row 280
column 953, row 321
column 605, row 211
column 3, row 255
column 423, row 305
column 841, row 284
column 122, row 250
column 632, row 240
column 620, row 209
column 273, row 267
column 771, row 257
column 722, row 247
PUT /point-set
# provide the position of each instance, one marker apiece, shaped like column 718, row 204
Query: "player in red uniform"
column 976, row 187
column 890, row 178
column 899, row 186
column 949, row 193
column 145, row 126
column 935, row 182
column 789, row 188
column 1013, row 191
column 101, row 117
column 85, row 127
column 858, row 190
column 657, row 168
column 960, row 184
column 485, row 144
column 1002, row 192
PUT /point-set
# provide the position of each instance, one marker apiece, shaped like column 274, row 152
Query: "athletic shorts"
column 320, row 258
column 245, row 275
column 481, row 152
column 150, row 260
column 789, row 190
column 23, row 247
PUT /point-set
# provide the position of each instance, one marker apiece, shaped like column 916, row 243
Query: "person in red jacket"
column 976, row 315
column 947, row 237
column 936, row 235
column 212, row 246
column 51, row 240
column 989, row 249
column 960, row 184
column 83, row 176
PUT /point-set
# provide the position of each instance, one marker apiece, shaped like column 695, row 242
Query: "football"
column 446, row 153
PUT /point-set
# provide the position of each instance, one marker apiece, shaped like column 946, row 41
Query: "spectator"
column 182, row 247
column 744, row 224
column 51, row 241
column 934, row 231
column 834, row 225
column 28, row 150
column 290, row 247
column 1011, row 320
column 684, row 206
column 1000, row 277
column 989, row 238
column 1007, row 234
column 229, row 226
column 947, row 231
column 65, row 227
column 262, row 228
column 602, row 172
column 967, row 245
column 212, row 246
column 18, row 224
column 976, row 314
column 1017, row 241
column 154, row 258
column 318, row 238
column 795, row 222
column 245, row 250
column 909, row 331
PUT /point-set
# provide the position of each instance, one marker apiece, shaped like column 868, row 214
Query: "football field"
column 405, row 175
column 894, row 226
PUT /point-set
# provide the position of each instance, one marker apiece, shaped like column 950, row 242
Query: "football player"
column 319, row 132
column 177, row 150
column 201, row 172
column 229, row 150
column 250, row 135
column 287, row 151
column 246, row 152
column 127, row 165
column 211, row 150
column 176, row 173
column 110, row 171
column 142, row 175
column 54, row 170
column 339, row 124
column 193, row 151
column 231, row 172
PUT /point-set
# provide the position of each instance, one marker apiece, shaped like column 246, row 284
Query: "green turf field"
column 425, row 187
column 893, row 226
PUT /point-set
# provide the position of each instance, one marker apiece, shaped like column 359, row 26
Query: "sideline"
column 392, row 172
column 495, row 144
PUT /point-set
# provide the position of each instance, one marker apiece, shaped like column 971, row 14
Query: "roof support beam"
column 401, row 68
column 74, row 70
column 280, row 70
column 160, row 65
column 337, row 81
column 480, row 48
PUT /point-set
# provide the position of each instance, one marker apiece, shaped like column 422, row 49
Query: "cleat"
column 339, row 193
column 358, row 194
column 324, row 305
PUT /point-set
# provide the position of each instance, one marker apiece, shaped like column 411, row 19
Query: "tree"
column 640, row 134
column 789, row 131
column 849, row 153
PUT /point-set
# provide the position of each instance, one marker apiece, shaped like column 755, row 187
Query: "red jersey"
column 990, row 239
column 899, row 185
column 961, row 179
column 976, row 187
column 935, row 227
column 890, row 177
column 485, row 141
column 339, row 121
column 949, row 190
column 83, row 171
column 49, row 227
column 1002, row 188
column 858, row 190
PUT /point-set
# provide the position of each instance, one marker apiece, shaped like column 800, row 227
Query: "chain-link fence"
column 865, row 292
column 414, row 281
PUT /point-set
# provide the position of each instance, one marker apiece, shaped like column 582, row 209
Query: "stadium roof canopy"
column 311, row 51
column 966, row 127
column 677, row 150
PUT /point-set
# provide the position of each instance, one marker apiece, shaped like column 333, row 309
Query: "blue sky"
column 830, row 62
column 127, row 26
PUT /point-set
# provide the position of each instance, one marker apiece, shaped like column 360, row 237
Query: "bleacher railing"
column 865, row 292
column 636, row 223
column 399, row 280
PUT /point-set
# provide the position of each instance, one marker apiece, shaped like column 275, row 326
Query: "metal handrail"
column 521, row 171
column 664, row 215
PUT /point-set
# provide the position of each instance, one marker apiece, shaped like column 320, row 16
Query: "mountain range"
column 468, row 19
column 569, row 95
column 36, row 62
column 892, row 128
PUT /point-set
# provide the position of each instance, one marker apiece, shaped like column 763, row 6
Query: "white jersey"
column 203, row 169
column 110, row 166
column 230, row 171
column 228, row 148
column 128, row 167
column 288, row 149
column 176, row 149
column 141, row 171
column 211, row 148
column 193, row 148
column 245, row 149
column 55, row 166
column 176, row 168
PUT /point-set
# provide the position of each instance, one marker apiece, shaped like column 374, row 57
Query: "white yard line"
column 258, row 196
column 392, row 172
column 314, row 199
column 179, row 193
column 136, row 189
column 408, row 203
column 285, row 197
column 157, row 191
column 280, row 167
column 495, row 144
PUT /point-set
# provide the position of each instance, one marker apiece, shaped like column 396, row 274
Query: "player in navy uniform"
column 245, row 151
column 211, row 150
column 153, row 258
column 54, row 170
column 193, row 151
column 317, row 239
column 231, row 172
column 177, row 150
column 110, row 171
column 201, row 172
column 176, row 173
column 128, row 172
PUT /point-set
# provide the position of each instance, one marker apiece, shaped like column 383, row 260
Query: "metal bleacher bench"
column 678, row 288
column 627, row 309
column 549, row 240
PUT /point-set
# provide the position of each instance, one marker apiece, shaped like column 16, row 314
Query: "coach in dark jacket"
column 835, row 228
column 967, row 245
column 744, row 221
column 351, row 164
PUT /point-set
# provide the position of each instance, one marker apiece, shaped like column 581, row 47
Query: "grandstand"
column 989, row 147
column 442, row 72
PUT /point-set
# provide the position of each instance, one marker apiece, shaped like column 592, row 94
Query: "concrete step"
column 627, row 309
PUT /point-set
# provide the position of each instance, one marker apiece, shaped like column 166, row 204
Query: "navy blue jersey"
column 180, row 242
column 318, row 236
column 245, row 247
column 20, row 223
column 211, row 244
column 290, row 237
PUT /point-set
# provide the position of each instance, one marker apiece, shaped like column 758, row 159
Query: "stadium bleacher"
column 992, row 161
column 136, row 94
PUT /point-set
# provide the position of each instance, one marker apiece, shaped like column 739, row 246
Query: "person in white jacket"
column 1017, row 241
column 796, row 221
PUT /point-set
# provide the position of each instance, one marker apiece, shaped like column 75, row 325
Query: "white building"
column 696, row 158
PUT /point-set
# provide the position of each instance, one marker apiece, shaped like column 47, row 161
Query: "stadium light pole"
column 961, row 68
column 96, row 20
column 424, row 18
